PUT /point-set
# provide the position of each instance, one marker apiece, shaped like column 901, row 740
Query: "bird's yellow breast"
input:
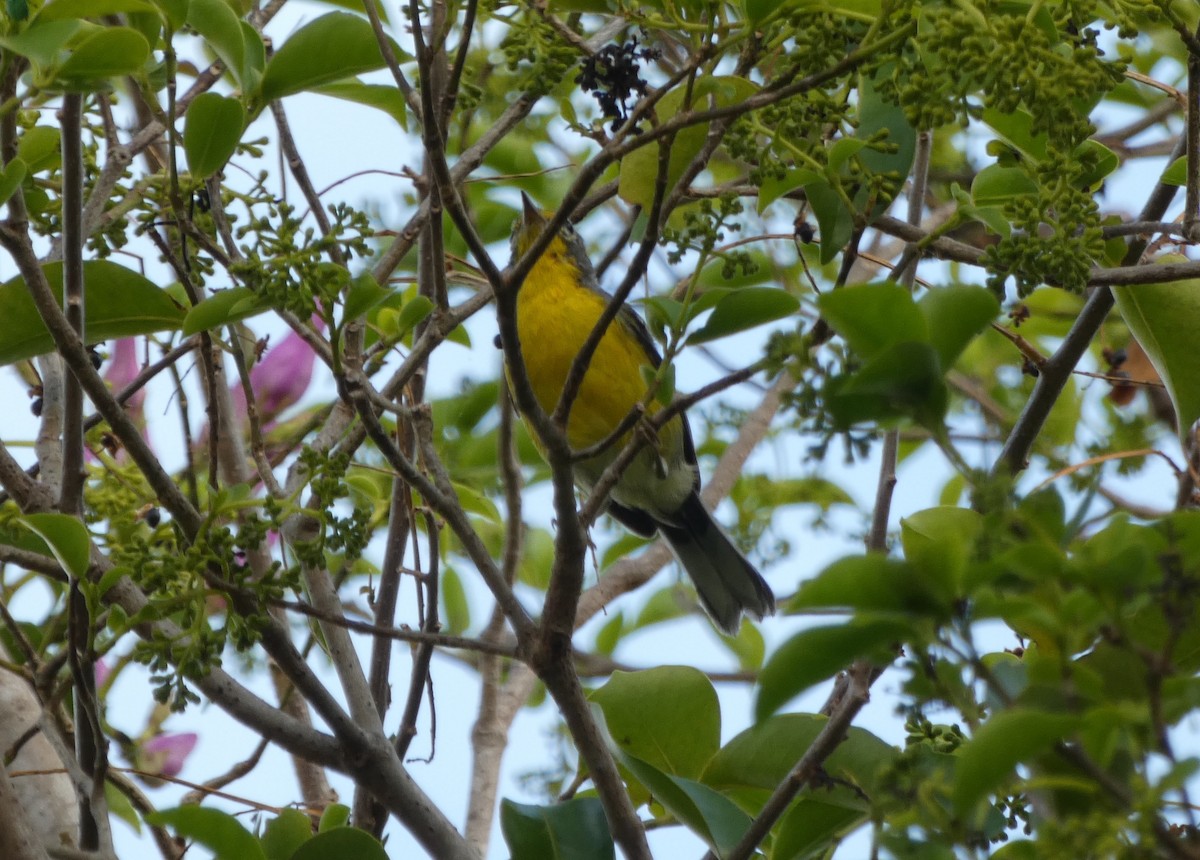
column 554, row 318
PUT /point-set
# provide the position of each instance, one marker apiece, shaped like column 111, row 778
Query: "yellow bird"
column 558, row 305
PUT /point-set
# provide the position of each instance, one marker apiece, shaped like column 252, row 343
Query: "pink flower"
column 102, row 671
column 165, row 754
column 123, row 368
column 280, row 378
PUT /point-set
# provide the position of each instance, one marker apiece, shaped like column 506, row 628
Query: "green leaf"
column 40, row 148
column 812, row 826
column 574, row 830
column 341, row 842
column 748, row 646
column 106, row 53
column 877, row 115
column 1165, row 318
column 773, row 187
column 835, row 223
column 744, row 309
column 1016, row 127
column 325, row 51
column 223, row 308
column 819, row 653
column 412, row 313
column 713, row 817
column 757, row 10
column 997, row 185
column 754, row 762
column 387, row 99
column 871, row 582
column 120, row 806
column 762, row 755
column 476, row 502
column 175, row 11
column 1106, row 161
column 285, row 833
column 537, row 558
column 639, row 169
column 454, row 602
column 647, row 710
column 221, row 29
column 60, row 10
column 335, row 815
column 1007, row 739
column 841, row 151
column 955, row 314
column 67, row 538
column 217, row 831
column 1176, row 174
column 212, row 129
column 111, row 577
column 11, row 178
column 873, row 317
column 364, row 294
column 120, row 303
column 254, row 61
column 904, row 380
column 42, row 41
column 609, row 636
column 939, row 542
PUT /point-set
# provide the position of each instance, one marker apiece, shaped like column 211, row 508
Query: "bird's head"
column 566, row 247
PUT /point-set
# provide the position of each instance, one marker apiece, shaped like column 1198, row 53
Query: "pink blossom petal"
column 166, row 754
column 281, row 377
column 102, row 671
column 123, row 368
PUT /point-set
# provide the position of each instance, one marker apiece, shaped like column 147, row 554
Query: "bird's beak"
column 531, row 215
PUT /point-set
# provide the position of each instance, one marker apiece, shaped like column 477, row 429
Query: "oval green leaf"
column 213, row 128
column 217, row 831
column 330, row 49
column 713, row 817
column 120, row 303
column 574, row 830
column 227, row 306
column 873, row 317
column 639, row 169
column 997, row 185
column 285, row 833
column 63, row 9
column 1165, row 318
column 341, row 842
column 814, row 655
column 745, row 309
column 106, row 53
column 42, row 41
column 954, row 315
column 67, row 538
column 1003, row 742
column 11, row 178
column 644, row 711
column 40, row 148
column 387, row 99
column 216, row 22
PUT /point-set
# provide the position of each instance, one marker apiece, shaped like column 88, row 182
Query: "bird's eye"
column 568, row 230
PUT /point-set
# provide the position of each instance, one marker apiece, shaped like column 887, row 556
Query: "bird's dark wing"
column 638, row 522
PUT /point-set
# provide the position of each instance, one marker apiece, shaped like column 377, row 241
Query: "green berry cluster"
column 1056, row 234
column 349, row 534
column 965, row 60
column 703, row 229
column 288, row 263
column 535, row 49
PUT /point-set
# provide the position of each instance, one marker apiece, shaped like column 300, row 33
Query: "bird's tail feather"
column 726, row 582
